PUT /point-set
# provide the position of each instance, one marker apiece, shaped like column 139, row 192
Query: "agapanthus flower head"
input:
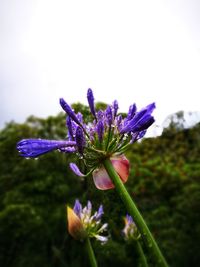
column 82, row 223
column 130, row 231
column 108, row 135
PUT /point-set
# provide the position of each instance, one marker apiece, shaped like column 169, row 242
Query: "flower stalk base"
column 90, row 252
column 142, row 258
column 134, row 212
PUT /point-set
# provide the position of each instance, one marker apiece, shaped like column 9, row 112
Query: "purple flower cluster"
column 107, row 135
column 130, row 230
column 91, row 223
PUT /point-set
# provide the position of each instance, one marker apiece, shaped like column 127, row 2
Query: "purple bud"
column 109, row 115
column 32, row 148
column 90, row 98
column 89, row 206
column 129, row 219
column 80, row 139
column 99, row 213
column 150, row 108
column 77, row 208
column 100, row 130
column 69, row 111
column 131, row 112
column 115, row 107
column 75, row 169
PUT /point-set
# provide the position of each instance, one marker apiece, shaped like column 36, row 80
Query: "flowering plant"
column 101, row 145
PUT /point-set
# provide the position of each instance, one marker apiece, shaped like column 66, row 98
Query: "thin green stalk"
column 90, row 252
column 142, row 258
column 134, row 212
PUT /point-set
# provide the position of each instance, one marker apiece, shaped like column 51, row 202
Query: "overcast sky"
column 132, row 51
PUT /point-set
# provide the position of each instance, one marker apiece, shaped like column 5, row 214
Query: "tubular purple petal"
column 80, row 139
column 32, row 148
column 69, row 111
column 69, row 127
column 89, row 207
column 129, row 219
column 150, row 108
column 100, row 130
column 119, row 122
column 109, row 115
column 90, row 98
column 80, row 117
column 137, row 135
column 144, row 123
column 77, row 208
column 68, row 149
column 115, row 108
column 76, row 170
column 131, row 112
column 100, row 115
column 100, row 212
column 140, row 118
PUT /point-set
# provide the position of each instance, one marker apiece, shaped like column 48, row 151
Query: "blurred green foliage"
column 164, row 182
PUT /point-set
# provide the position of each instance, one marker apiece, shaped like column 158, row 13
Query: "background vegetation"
column 164, row 181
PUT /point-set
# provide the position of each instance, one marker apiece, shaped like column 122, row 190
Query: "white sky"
column 132, row 51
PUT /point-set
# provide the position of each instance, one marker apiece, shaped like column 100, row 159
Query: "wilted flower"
column 82, row 224
column 130, row 230
column 108, row 136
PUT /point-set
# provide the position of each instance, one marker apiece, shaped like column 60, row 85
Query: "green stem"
column 134, row 212
column 90, row 252
column 142, row 258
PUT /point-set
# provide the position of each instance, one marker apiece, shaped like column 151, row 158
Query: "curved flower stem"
column 142, row 258
column 90, row 252
column 134, row 212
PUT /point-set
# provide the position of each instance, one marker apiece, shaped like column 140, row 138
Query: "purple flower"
column 90, row 98
column 82, row 224
column 31, row 148
column 130, row 230
column 109, row 135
